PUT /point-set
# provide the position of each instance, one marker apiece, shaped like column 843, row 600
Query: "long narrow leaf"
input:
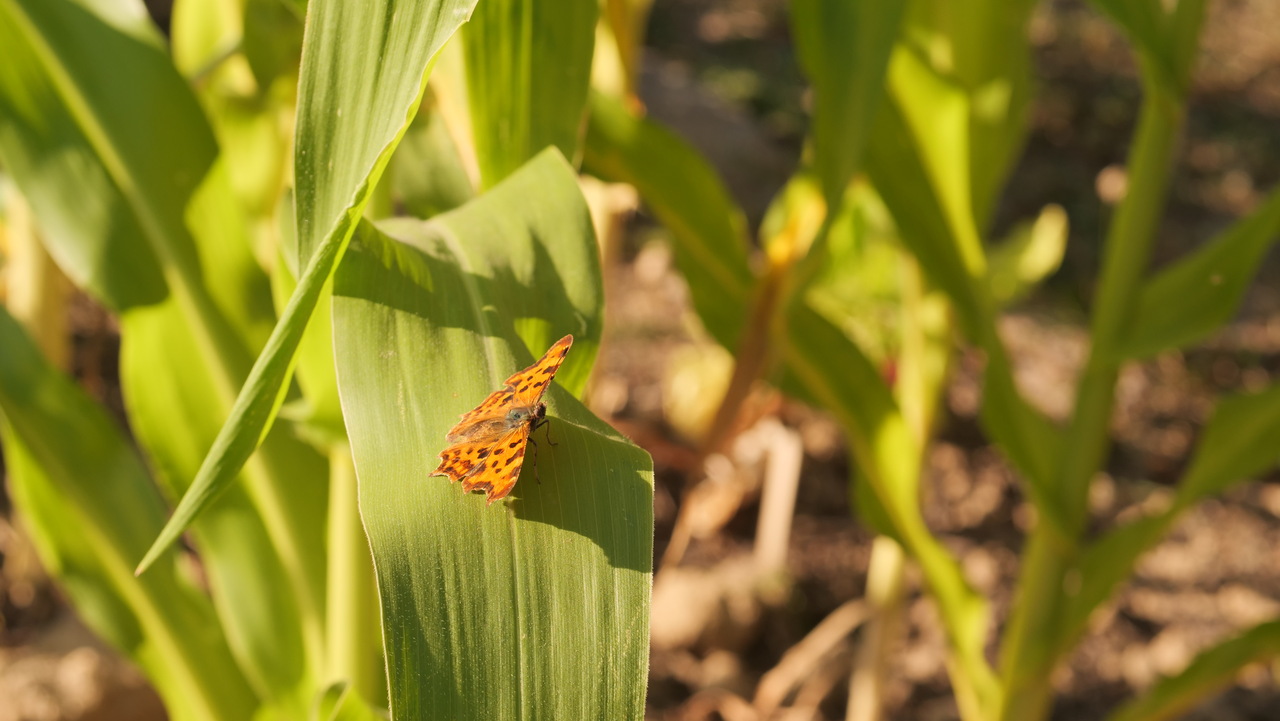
column 91, row 509
column 1241, row 439
column 90, row 86
column 109, row 190
column 528, row 68
column 535, row 607
column 845, row 49
column 363, row 70
column 685, row 193
column 899, row 165
column 1147, row 24
column 1199, row 293
column 352, row 112
column 1208, row 673
column 830, row 368
column 175, row 414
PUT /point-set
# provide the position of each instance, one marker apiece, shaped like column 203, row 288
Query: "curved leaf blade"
column 1241, row 439
column 684, row 192
column 1208, row 673
column 845, row 49
column 92, row 509
column 109, row 189
column 363, row 70
column 175, row 414
column 1196, row 295
column 528, row 69
column 536, row 607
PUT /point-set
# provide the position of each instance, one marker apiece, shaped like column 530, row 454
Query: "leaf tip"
column 158, row 547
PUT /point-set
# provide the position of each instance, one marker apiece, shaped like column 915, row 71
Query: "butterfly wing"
column 524, row 388
column 489, row 464
column 485, row 419
column 528, row 386
column 486, row 447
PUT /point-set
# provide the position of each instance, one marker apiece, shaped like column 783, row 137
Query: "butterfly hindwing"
column 492, row 465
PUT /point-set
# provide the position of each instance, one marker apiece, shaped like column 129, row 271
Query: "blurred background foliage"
column 949, row 330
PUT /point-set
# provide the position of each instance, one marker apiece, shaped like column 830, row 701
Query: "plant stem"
column 1036, row 636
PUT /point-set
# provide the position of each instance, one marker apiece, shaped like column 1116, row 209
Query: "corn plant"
column 930, row 103
column 292, row 357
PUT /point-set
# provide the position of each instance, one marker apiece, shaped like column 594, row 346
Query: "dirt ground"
column 721, row 73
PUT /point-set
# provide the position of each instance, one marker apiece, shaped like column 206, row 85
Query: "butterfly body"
column 486, row 447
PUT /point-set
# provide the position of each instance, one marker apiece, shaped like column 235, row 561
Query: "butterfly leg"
column 538, row 424
column 534, row 443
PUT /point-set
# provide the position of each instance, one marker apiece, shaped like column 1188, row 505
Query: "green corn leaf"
column 684, row 192
column 1103, row 566
column 845, row 49
column 1146, row 23
column 1198, row 294
column 925, row 203
column 105, row 140
column 528, row 68
column 991, row 59
column 1241, row 439
column 175, row 414
column 831, row 369
column 363, row 70
column 137, row 187
column 1208, row 673
column 537, row 606
column 931, row 209
column 91, row 509
column 109, row 144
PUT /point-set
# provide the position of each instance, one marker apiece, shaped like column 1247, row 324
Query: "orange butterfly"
column 486, row 447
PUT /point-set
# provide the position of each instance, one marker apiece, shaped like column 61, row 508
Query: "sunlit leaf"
column 528, row 67
column 352, row 111
column 535, row 607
